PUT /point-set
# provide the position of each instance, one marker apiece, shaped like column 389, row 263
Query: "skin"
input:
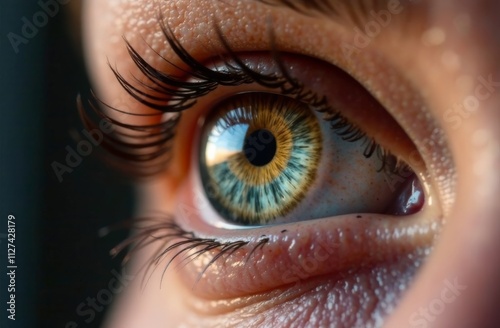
column 426, row 60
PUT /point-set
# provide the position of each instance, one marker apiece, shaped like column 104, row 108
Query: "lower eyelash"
column 187, row 244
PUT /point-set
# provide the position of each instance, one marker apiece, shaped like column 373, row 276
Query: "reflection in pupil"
column 260, row 147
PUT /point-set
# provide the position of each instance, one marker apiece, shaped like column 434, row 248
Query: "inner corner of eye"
column 265, row 158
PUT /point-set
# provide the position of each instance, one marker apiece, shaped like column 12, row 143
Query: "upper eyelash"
column 155, row 137
column 188, row 245
column 177, row 93
column 181, row 94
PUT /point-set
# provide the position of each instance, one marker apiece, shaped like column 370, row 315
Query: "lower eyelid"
column 337, row 245
column 305, row 254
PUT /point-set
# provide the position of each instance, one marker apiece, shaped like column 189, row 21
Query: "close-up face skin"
column 325, row 163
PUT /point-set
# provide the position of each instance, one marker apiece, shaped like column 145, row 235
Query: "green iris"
column 259, row 156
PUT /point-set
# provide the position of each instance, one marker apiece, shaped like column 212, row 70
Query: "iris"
column 259, row 156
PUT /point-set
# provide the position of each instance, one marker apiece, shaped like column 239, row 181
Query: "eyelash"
column 187, row 244
column 179, row 95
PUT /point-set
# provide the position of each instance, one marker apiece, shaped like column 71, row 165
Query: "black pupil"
column 260, row 147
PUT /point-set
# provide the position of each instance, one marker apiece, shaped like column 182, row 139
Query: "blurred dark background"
column 61, row 260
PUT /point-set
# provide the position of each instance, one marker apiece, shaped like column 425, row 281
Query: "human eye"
column 272, row 139
column 278, row 173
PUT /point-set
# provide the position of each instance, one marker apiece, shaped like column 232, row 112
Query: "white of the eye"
column 346, row 182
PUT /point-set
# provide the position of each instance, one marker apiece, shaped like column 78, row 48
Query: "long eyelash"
column 146, row 149
column 138, row 150
column 181, row 94
column 144, row 152
column 177, row 243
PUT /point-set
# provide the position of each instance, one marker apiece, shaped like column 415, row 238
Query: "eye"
column 268, row 157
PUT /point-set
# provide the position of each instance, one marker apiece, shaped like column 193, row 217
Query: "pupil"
column 260, row 147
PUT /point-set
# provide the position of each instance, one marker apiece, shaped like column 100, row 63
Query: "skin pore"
column 431, row 56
